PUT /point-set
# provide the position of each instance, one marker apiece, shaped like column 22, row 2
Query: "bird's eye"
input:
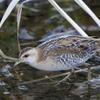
column 26, row 55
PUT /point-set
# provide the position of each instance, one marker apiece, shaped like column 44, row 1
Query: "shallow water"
column 37, row 24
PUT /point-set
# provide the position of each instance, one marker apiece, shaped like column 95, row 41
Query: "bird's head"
column 29, row 57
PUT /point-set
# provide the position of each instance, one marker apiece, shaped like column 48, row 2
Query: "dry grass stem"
column 68, row 18
column 7, row 57
column 60, row 75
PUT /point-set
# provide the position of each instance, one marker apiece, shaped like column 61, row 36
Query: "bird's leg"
column 89, row 71
column 73, row 71
column 67, row 77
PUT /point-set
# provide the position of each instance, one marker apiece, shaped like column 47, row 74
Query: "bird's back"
column 69, row 52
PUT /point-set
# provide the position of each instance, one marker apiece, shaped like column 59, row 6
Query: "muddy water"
column 39, row 19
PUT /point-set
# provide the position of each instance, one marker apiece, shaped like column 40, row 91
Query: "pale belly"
column 51, row 65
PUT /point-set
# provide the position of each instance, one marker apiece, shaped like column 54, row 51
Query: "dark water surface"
column 38, row 20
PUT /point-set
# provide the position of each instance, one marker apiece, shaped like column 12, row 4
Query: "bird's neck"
column 40, row 55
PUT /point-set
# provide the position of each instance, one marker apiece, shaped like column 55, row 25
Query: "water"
column 37, row 24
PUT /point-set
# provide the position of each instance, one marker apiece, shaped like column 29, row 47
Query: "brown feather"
column 72, row 44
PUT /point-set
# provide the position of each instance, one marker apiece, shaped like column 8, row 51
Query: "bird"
column 61, row 53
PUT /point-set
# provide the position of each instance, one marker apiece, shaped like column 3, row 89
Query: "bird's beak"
column 18, row 62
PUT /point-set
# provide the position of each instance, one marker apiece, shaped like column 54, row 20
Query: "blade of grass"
column 68, row 18
column 19, row 12
column 8, row 11
column 88, row 11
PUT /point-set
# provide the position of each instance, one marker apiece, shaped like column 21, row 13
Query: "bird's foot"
column 64, row 79
column 50, row 79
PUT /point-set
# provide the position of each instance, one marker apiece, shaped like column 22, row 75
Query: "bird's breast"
column 52, row 65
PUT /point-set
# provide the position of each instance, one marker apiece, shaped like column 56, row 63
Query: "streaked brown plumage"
column 61, row 53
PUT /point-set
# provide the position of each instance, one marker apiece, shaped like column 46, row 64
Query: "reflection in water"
column 91, row 89
column 24, row 35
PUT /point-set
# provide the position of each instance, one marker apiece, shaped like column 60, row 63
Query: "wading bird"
column 63, row 53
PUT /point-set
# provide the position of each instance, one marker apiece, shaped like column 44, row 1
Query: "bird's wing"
column 69, row 42
column 61, row 50
column 69, row 56
column 71, row 49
